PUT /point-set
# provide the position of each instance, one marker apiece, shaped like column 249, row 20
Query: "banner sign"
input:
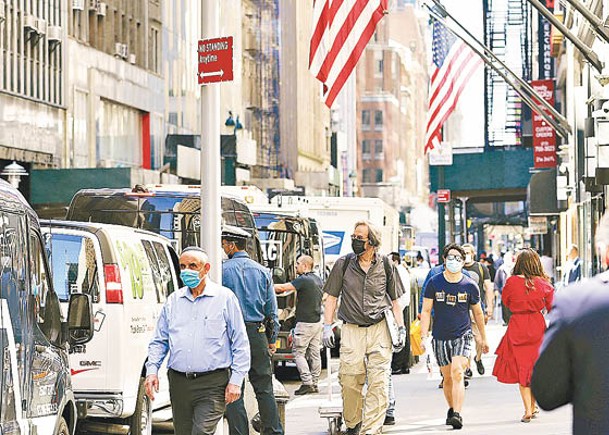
column 544, row 35
column 544, row 136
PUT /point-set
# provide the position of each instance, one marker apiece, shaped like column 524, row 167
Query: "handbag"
column 415, row 338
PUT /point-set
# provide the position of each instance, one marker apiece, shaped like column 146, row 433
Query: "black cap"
column 230, row 232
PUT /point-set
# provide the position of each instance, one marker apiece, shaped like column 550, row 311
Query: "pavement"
column 490, row 407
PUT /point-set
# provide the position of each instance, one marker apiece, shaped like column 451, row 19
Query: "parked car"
column 36, row 394
column 174, row 211
column 128, row 274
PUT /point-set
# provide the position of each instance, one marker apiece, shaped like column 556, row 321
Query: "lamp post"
column 13, row 174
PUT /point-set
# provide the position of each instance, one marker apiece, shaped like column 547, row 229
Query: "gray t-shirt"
column 364, row 296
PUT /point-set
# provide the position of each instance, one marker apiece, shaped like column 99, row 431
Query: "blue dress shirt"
column 202, row 334
column 253, row 286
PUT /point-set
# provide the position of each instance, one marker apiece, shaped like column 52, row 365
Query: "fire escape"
column 508, row 35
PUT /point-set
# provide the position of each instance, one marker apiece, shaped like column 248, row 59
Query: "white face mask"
column 468, row 259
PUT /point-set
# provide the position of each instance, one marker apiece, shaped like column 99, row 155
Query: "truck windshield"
column 175, row 216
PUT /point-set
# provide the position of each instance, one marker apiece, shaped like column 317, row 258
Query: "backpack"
column 386, row 265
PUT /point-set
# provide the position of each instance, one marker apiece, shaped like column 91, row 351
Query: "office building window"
column 378, row 119
column 365, row 147
column 378, row 63
column 365, row 119
column 378, row 147
column 379, row 176
column 367, row 175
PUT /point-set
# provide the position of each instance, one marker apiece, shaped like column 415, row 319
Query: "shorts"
column 446, row 349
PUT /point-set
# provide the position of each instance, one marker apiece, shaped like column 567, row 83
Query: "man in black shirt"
column 307, row 334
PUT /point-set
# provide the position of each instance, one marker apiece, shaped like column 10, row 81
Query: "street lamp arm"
column 596, row 22
column 441, row 10
column 525, row 97
column 587, row 52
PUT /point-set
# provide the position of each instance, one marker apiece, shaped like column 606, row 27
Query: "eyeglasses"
column 354, row 237
column 454, row 257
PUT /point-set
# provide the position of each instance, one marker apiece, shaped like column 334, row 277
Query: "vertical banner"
column 546, row 62
column 544, row 136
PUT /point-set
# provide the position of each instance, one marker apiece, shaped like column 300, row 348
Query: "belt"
column 195, row 375
column 362, row 326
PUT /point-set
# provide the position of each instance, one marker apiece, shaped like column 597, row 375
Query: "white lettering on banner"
column 271, row 251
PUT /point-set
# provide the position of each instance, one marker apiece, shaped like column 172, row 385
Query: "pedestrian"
column 572, row 364
column 369, row 286
column 526, row 293
column 547, row 263
column 451, row 294
column 479, row 273
column 503, row 273
column 573, row 270
column 308, row 329
column 253, row 286
column 201, row 328
column 400, row 362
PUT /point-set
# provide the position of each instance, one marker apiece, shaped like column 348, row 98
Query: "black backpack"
column 386, row 265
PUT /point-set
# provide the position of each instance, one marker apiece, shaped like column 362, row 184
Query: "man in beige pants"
column 368, row 285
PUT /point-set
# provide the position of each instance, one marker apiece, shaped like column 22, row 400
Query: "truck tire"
column 141, row 420
column 62, row 428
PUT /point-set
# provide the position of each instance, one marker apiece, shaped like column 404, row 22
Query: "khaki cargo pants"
column 365, row 357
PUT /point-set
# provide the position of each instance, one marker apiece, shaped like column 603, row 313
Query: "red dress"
column 519, row 347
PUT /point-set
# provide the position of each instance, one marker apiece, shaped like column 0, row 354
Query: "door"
column 10, row 387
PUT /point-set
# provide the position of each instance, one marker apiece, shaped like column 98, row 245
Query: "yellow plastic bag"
column 415, row 338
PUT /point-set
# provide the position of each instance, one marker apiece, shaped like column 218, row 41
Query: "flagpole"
column 527, row 87
column 556, row 126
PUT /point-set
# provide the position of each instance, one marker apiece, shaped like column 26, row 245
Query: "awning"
column 541, row 194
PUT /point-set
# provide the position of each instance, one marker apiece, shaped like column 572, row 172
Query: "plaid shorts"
column 446, row 349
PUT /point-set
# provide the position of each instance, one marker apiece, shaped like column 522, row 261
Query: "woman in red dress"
column 526, row 293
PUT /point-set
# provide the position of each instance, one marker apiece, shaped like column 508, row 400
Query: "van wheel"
column 62, row 428
column 141, row 420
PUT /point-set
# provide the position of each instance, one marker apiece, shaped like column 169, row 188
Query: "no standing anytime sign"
column 215, row 60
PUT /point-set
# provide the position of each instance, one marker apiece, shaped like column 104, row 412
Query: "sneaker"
column 466, row 382
column 315, row 388
column 353, row 430
column 455, row 421
column 304, row 389
column 449, row 415
column 468, row 373
column 389, row 420
column 441, row 384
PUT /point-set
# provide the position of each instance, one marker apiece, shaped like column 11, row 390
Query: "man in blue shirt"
column 451, row 294
column 253, row 286
column 202, row 330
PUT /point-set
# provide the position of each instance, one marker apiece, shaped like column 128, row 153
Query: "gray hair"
column 602, row 232
column 374, row 235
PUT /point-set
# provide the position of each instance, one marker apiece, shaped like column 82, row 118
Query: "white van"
column 36, row 394
column 128, row 273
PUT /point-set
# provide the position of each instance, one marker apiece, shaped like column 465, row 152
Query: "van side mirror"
column 279, row 275
column 80, row 319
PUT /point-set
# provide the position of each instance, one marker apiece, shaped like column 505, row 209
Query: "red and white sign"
column 215, row 60
column 544, row 136
column 443, row 195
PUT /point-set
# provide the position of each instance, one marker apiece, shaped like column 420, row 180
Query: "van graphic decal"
column 333, row 241
column 76, row 372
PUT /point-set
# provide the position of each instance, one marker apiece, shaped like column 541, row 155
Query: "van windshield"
column 176, row 217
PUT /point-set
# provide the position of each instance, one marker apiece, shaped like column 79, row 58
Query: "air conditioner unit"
column 54, row 34
column 102, row 9
column 118, row 49
column 30, row 24
column 2, row 13
column 93, row 5
column 125, row 51
column 78, row 5
column 41, row 26
column 132, row 59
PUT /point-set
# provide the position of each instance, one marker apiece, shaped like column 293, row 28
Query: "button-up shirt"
column 364, row 295
column 201, row 334
column 252, row 284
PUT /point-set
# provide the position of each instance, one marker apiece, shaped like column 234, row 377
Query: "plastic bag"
column 415, row 338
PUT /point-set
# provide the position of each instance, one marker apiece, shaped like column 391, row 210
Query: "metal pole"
column 527, row 87
column 596, row 22
column 211, row 211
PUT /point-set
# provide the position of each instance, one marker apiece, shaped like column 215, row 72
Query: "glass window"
column 365, row 119
column 378, row 119
column 161, row 269
column 46, row 303
column 365, row 147
column 366, row 175
column 378, row 146
column 119, row 136
column 74, row 265
column 378, row 63
column 379, row 175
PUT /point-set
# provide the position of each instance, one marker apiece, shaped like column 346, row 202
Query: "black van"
column 35, row 380
column 172, row 211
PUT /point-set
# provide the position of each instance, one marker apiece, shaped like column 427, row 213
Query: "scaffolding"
column 508, row 34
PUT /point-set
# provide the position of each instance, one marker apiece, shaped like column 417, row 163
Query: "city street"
column 490, row 407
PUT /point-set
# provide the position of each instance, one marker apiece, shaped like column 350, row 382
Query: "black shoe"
column 468, row 373
column 466, row 382
column 455, row 421
column 305, row 389
column 449, row 415
column 407, row 371
column 389, row 421
column 396, row 371
column 441, row 385
column 353, row 430
column 479, row 366
column 315, row 388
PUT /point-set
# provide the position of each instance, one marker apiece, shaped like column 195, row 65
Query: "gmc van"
column 128, row 274
column 36, row 394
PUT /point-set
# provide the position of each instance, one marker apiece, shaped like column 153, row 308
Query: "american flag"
column 453, row 64
column 341, row 31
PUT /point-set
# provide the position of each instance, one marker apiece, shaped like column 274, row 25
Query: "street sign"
column 443, row 195
column 215, row 60
column 538, row 225
column 442, row 155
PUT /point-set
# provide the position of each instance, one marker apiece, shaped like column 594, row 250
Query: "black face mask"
column 358, row 246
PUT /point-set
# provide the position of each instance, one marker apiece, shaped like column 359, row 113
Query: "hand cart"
column 333, row 408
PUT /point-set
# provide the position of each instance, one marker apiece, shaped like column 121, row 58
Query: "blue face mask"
column 454, row 266
column 190, row 278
